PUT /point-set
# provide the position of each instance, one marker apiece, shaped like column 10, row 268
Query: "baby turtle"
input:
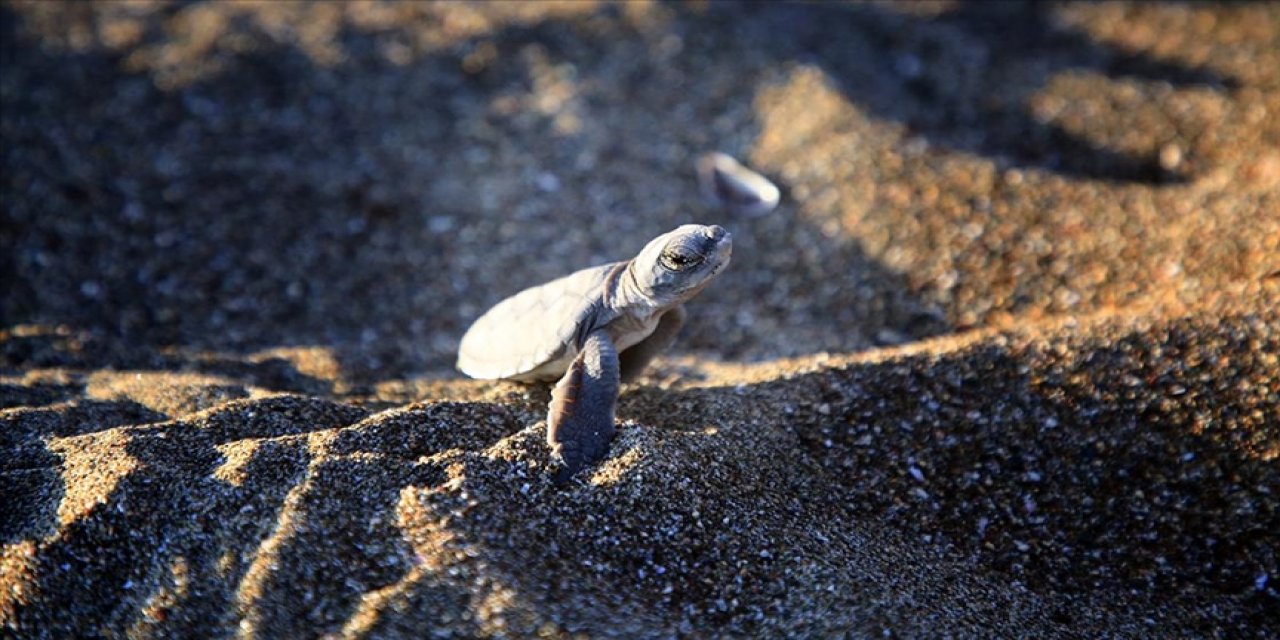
column 594, row 329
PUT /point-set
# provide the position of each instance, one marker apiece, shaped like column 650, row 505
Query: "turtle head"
column 676, row 265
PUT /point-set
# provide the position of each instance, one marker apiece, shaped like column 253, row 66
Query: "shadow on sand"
column 269, row 199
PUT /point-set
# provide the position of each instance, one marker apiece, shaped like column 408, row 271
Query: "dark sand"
column 1006, row 361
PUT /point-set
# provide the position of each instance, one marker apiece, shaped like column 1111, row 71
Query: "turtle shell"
column 532, row 335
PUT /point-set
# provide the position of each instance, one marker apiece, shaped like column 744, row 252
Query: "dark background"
column 368, row 178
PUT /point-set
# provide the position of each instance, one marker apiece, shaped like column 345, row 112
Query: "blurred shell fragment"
column 727, row 184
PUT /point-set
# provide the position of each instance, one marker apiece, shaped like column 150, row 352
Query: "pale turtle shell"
column 532, row 334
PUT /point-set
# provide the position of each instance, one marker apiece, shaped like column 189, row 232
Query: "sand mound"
column 1117, row 476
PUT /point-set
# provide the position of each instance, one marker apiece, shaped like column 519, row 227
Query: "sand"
column 1005, row 362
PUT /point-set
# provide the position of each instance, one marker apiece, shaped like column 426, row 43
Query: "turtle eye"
column 676, row 261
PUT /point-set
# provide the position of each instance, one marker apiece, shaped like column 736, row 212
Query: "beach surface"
column 1005, row 362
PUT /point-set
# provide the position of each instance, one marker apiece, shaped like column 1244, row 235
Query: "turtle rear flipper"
column 580, row 418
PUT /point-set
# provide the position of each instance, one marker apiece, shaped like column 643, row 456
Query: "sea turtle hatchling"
column 594, row 329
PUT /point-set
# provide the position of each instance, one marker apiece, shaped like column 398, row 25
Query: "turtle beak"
column 721, row 242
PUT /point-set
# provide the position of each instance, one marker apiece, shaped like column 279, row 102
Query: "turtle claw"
column 562, row 476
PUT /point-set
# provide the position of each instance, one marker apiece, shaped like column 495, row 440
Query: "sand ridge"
column 1002, row 484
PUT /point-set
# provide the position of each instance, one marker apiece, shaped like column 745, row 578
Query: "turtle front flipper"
column 580, row 418
column 634, row 360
